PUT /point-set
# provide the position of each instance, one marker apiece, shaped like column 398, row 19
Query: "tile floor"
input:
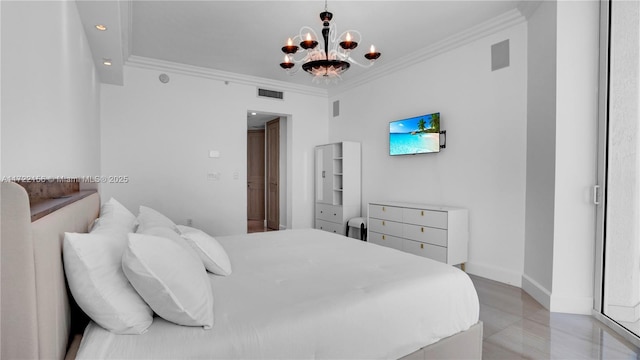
column 517, row 327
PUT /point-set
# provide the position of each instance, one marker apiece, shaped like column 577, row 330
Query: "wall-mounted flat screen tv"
column 416, row 135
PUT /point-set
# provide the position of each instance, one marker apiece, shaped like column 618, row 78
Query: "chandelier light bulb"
column 287, row 64
column 372, row 54
column 289, row 48
column 348, row 43
column 308, row 42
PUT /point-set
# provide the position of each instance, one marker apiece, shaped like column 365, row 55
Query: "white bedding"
column 302, row 294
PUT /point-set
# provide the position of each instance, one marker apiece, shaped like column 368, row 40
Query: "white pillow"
column 112, row 213
column 93, row 266
column 149, row 218
column 169, row 279
column 212, row 254
column 170, row 234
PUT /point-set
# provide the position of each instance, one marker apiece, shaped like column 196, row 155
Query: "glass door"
column 618, row 194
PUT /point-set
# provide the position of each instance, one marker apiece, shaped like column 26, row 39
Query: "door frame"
column 600, row 190
column 286, row 176
column 269, row 167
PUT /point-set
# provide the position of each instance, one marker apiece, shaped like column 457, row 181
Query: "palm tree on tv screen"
column 435, row 122
column 421, row 124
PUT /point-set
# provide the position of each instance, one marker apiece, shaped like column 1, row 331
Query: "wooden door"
column 273, row 174
column 255, row 175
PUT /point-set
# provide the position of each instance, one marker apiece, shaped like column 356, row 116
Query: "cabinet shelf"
column 337, row 185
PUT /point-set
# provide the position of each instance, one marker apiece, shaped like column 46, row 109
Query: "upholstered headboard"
column 35, row 305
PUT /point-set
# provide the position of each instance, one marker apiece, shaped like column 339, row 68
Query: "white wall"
column 541, row 147
column 483, row 166
column 561, row 155
column 576, row 145
column 159, row 135
column 50, row 109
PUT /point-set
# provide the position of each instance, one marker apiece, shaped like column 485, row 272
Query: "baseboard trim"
column 537, row 291
column 556, row 303
column 624, row 312
column 494, row 273
column 571, row 305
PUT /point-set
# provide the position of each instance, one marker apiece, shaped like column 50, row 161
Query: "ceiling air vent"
column 270, row 94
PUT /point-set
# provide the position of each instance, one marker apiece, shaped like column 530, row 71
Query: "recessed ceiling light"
column 101, row 27
column 107, row 62
column 254, row 114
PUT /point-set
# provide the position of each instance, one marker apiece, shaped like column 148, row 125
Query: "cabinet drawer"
column 330, row 227
column 430, row 218
column 331, row 213
column 434, row 252
column 425, row 234
column 385, row 240
column 386, row 227
column 385, row 212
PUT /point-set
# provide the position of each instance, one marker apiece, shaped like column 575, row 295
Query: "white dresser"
column 438, row 232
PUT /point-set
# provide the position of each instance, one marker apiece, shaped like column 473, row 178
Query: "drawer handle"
column 383, row 237
column 383, row 223
column 421, row 246
column 422, row 213
column 383, row 209
column 422, row 229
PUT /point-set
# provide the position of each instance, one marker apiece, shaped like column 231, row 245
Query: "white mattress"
column 302, row 294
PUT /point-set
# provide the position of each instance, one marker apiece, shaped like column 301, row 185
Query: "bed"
column 293, row 294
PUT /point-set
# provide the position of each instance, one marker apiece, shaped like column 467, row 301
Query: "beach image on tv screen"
column 417, row 135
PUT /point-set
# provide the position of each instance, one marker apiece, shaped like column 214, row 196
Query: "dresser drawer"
column 425, row 234
column 434, row 252
column 386, row 227
column 430, row 218
column 332, row 213
column 385, row 212
column 330, row 226
column 385, row 240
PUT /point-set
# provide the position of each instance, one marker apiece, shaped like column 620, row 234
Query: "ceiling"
column 245, row 37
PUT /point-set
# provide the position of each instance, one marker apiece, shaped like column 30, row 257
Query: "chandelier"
column 329, row 63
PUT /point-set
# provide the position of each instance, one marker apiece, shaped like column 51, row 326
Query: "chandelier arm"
column 333, row 38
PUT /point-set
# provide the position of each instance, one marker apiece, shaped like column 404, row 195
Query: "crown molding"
column 498, row 23
column 225, row 76
column 504, row 21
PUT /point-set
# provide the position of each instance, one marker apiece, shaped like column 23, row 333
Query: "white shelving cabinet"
column 438, row 232
column 337, row 185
